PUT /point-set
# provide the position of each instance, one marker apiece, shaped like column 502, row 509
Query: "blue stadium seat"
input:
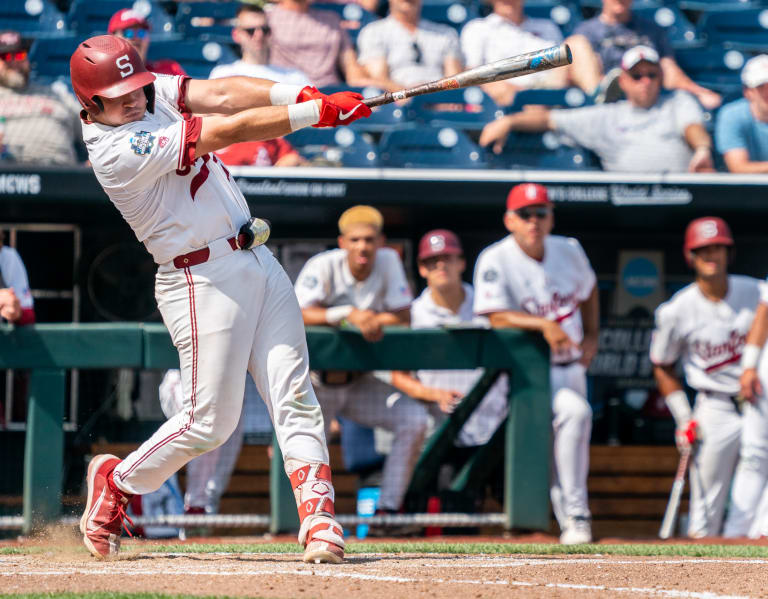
column 193, row 20
column 195, row 56
column 679, row 29
column 455, row 14
column 706, row 5
column 430, row 147
column 88, row 17
column 541, row 151
column 344, row 145
column 353, row 16
column 564, row 14
column 571, row 97
column 714, row 67
column 738, row 27
column 35, row 18
column 469, row 109
column 49, row 57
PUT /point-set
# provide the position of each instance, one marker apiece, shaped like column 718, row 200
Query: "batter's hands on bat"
column 10, row 306
column 686, row 435
column 557, row 338
column 366, row 321
column 751, row 387
column 341, row 108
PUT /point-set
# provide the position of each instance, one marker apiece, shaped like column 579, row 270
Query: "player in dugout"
column 539, row 282
column 228, row 304
column 705, row 325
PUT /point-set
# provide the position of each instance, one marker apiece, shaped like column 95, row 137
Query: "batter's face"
column 641, row 84
column 710, row 261
column 361, row 243
column 123, row 109
column 442, row 271
column 530, row 226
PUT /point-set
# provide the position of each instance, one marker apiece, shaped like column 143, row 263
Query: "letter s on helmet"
column 110, row 67
column 709, row 230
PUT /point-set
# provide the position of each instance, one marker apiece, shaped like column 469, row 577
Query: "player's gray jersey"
column 707, row 335
column 327, row 281
column 174, row 202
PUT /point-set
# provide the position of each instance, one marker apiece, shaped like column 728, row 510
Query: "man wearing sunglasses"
column 134, row 27
column 41, row 124
column 539, row 282
column 649, row 132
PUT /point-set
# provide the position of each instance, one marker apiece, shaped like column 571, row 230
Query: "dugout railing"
column 49, row 350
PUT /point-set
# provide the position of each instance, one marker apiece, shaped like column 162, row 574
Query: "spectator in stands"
column 741, row 131
column 41, row 122
column 369, row 5
column 313, row 41
column 615, row 30
column 507, row 32
column 648, row 132
column 252, row 34
column 134, row 27
column 447, row 301
column 404, row 50
column 362, row 285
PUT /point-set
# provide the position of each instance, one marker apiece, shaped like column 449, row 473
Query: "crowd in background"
column 648, row 115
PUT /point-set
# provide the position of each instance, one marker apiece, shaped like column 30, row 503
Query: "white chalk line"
column 325, row 573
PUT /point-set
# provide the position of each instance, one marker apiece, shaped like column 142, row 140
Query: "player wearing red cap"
column 705, row 325
column 229, row 306
column 540, row 282
column 133, row 26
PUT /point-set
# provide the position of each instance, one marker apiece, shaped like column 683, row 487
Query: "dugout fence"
column 52, row 349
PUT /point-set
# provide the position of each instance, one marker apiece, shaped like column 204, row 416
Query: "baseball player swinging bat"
column 506, row 68
column 673, row 506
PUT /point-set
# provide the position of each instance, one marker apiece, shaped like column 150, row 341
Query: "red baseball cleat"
column 102, row 522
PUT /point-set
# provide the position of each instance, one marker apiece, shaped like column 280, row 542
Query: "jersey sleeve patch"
column 142, row 142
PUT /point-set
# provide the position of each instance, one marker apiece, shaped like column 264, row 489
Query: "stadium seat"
column 455, row 14
column 541, row 151
column 706, row 5
column 32, row 18
column 49, row 57
column 87, row 17
column 745, row 28
column 353, row 16
column 469, row 109
column 430, row 147
column 679, row 29
column 571, row 97
column 343, row 145
column 715, row 67
column 564, row 14
column 196, row 57
column 206, row 20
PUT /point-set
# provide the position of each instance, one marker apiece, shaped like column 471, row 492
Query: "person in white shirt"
column 508, row 32
column 363, row 284
column 16, row 303
column 448, row 301
column 403, row 49
column 540, row 282
column 251, row 32
column 227, row 303
column 705, row 325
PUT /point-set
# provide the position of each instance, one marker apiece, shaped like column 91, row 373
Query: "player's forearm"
column 590, row 314
column 314, row 316
column 666, row 380
column 399, row 318
column 530, row 119
column 738, row 161
column 758, row 332
column 407, row 383
column 227, row 95
column 518, row 320
column 697, row 137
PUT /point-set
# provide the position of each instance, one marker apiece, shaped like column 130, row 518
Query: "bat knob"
column 568, row 54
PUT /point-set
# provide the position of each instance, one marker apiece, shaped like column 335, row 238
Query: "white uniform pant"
column 572, row 429
column 751, row 478
column 228, row 315
column 713, row 463
column 373, row 403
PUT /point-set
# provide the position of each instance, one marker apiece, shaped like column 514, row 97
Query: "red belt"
column 198, row 256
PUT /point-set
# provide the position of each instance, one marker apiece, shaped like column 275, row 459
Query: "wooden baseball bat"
column 673, row 506
column 506, row 68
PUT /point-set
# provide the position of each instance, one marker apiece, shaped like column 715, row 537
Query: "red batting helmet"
column 108, row 66
column 709, row 230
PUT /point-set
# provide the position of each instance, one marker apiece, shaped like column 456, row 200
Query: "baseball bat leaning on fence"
column 506, row 68
column 673, row 505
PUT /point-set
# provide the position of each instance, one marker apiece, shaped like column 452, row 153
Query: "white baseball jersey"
column 327, row 281
column 478, row 429
column 709, row 336
column 14, row 275
column 508, row 279
column 174, row 203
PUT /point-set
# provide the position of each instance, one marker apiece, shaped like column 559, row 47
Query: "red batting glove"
column 686, row 435
column 349, row 108
column 310, row 92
